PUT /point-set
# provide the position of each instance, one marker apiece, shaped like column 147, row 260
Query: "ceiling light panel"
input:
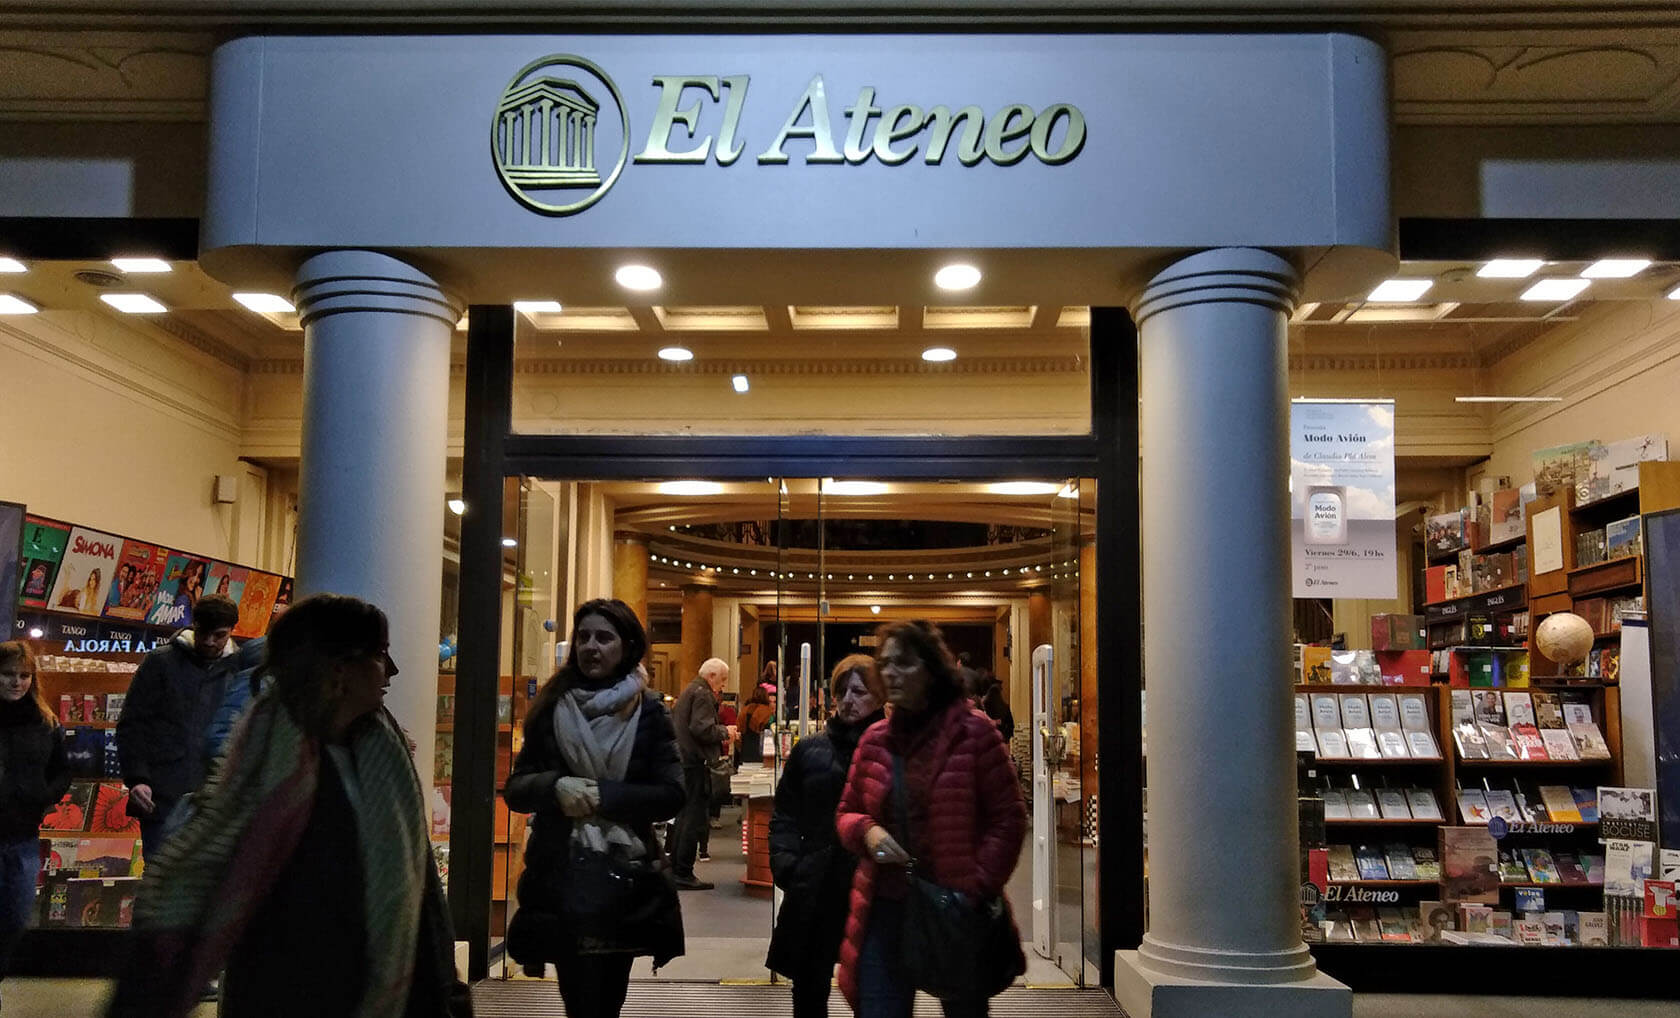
column 585, row 320
column 675, row 354
column 1615, row 268
column 1018, row 317
column 712, row 319
column 1074, row 318
column 1510, row 268
column 639, row 277
column 1399, row 291
column 1556, row 289
column 133, row 303
column 10, row 305
column 939, row 354
column 957, row 277
column 536, row 307
column 843, row 317
column 140, row 265
column 265, row 303
column 12, row 265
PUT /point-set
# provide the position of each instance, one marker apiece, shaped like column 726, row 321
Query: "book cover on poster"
column 85, row 576
column 182, row 586
column 256, row 604
column 226, row 579
column 44, row 542
column 139, row 572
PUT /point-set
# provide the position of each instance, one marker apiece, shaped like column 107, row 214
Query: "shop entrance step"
column 521, row 998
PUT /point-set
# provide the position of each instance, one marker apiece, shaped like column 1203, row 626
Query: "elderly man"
column 701, row 740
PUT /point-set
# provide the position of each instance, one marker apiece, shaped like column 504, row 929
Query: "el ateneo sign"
column 545, row 134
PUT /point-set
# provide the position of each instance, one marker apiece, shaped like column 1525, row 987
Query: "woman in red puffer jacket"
column 967, row 819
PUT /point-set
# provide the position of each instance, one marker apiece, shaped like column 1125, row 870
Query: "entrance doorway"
column 781, row 578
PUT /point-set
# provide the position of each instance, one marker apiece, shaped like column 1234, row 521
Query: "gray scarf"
column 596, row 730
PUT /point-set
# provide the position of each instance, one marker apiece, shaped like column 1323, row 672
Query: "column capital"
column 1247, row 275
column 350, row 280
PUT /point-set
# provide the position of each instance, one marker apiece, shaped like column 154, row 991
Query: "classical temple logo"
column 550, row 130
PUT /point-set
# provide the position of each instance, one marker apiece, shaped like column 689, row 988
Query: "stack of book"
column 1490, row 724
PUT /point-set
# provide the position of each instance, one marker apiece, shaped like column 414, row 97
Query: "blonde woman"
column 33, row 776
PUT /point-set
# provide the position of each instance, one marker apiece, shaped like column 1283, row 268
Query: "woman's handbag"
column 954, row 946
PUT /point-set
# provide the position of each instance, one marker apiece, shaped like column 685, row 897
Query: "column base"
column 1146, row 993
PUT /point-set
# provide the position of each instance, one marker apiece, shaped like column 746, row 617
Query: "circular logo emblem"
column 1498, row 828
column 560, row 136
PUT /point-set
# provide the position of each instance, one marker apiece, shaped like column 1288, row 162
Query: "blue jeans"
column 20, row 866
column 883, row 991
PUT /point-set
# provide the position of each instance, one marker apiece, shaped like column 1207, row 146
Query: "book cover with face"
column 85, row 576
column 139, row 572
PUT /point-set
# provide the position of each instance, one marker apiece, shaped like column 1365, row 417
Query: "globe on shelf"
column 1565, row 637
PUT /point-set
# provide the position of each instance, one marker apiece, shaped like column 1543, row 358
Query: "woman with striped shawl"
column 305, row 872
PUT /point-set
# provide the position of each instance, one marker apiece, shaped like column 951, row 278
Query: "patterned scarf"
column 208, row 880
column 596, row 731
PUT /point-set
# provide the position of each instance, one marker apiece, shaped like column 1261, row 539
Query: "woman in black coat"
column 33, row 776
column 598, row 768
column 809, row 865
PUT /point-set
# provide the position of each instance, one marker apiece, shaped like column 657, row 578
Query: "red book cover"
column 110, row 812
column 139, row 572
column 1404, row 667
column 1529, row 744
column 1435, row 584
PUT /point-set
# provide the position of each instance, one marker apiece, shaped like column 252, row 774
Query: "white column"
column 1224, row 872
column 375, row 413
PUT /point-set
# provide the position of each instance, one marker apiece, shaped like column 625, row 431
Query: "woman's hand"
column 883, row 849
column 579, row 797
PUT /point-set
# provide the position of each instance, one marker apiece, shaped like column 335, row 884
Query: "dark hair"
column 924, row 639
column 215, row 611
column 313, row 634
column 623, row 619
column 758, row 695
column 864, row 665
column 17, row 653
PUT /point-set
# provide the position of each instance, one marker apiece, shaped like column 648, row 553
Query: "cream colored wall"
column 1617, row 369
column 122, row 427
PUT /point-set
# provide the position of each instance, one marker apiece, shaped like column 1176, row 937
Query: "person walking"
column 163, row 736
column 306, row 868
column 806, row 860
column 597, row 770
column 701, row 741
column 944, row 766
column 34, row 775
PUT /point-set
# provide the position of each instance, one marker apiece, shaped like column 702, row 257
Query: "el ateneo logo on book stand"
column 561, row 132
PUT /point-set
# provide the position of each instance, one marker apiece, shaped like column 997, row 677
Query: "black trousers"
column 810, row 993
column 594, row 985
column 694, row 822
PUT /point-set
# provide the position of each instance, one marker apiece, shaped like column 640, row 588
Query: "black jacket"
column 652, row 790
column 33, row 772
column 164, row 731
column 805, row 854
column 699, row 735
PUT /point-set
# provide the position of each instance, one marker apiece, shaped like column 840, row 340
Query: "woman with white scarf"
column 598, row 769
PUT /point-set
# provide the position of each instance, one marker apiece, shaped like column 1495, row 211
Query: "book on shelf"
column 1315, row 665
column 1500, row 923
column 1596, row 611
column 1391, row 803
column 1356, row 723
column 1370, row 862
column 1367, row 929
column 1627, row 865
column 1548, row 710
column 1327, row 725
column 1343, row 867
column 1414, row 724
column 1447, row 532
column 1401, row 866
column 1559, row 746
column 1336, row 805
column 1475, row 919
column 1530, row 932
column 1589, row 547
column 1502, row 803
column 1506, row 520
column 1556, row 926
column 1466, row 736
column 1394, row 925
column 446, row 708
column 1473, row 806
column 1541, row 868
column 1338, row 926
column 1354, row 668
column 1421, row 801
column 1593, row 930
column 1362, row 804
column 1569, row 868
column 1586, row 803
column 1593, row 863
column 114, row 706
column 1621, row 538
column 1426, row 862
column 1584, row 732
column 73, row 810
column 1512, row 870
column 1560, row 804
column 1469, row 858
column 1304, row 741
column 1385, row 721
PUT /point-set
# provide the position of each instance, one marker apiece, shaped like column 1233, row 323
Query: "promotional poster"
column 227, row 580
column 139, row 573
column 11, row 543
column 1341, row 481
column 85, row 577
column 43, row 550
column 257, row 604
column 182, row 586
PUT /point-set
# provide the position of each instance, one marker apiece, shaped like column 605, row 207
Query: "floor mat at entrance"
column 531, row 999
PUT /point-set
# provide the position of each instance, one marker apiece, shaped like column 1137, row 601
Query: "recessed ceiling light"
column 957, row 277
column 739, row 382
column 546, row 307
column 832, row 487
column 265, row 303
column 1615, row 268
column 1023, row 488
column 676, row 353
column 510, row 542
column 458, row 506
column 10, row 305
column 874, row 609
column 1510, row 268
column 1674, row 294
column 1399, row 291
column 1508, row 399
column 140, row 264
column 939, row 353
column 690, row 488
column 1556, row 289
column 133, row 303
column 12, row 265
column 639, row 277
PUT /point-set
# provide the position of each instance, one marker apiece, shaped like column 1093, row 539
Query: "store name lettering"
column 1338, row 893
column 102, row 549
column 106, row 647
column 891, row 134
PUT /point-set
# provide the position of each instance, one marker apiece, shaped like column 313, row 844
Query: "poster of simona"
column 68, row 568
